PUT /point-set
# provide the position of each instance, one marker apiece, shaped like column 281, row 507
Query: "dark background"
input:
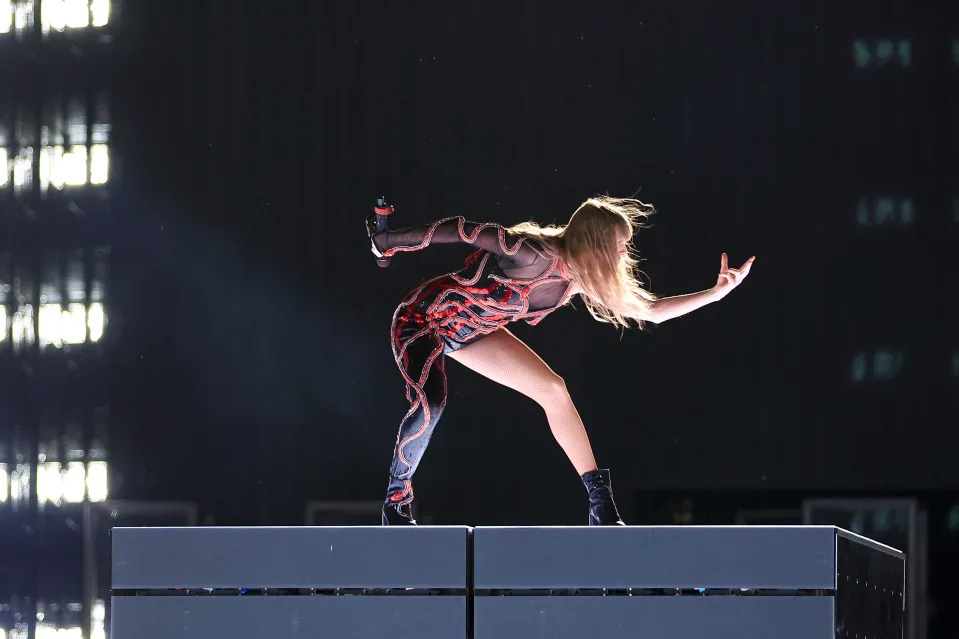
column 253, row 367
column 246, row 362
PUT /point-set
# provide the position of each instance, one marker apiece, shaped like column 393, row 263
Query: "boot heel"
column 602, row 507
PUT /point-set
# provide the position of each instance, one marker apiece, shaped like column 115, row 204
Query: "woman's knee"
column 550, row 388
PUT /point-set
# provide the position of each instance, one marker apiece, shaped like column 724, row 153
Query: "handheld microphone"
column 378, row 219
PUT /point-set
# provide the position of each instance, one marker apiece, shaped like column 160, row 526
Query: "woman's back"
column 520, row 264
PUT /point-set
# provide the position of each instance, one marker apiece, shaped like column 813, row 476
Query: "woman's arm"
column 667, row 308
column 486, row 235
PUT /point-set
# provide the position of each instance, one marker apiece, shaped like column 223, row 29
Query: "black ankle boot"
column 602, row 508
column 397, row 515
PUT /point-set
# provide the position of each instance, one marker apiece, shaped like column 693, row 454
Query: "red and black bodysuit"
column 510, row 278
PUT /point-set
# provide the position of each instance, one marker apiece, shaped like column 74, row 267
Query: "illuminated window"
column 71, row 152
column 21, row 327
column 72, row 299
column 882, row 52
column 885, row 211
column 98, row 616
column 858, row 367
column 49, row 483
column 59, row 326
column 96, row 319
column 5, row 142
column 879, row 365
column 4, row 484
column 55, row 15
column 23, row 170
column 99, row 164
column 16, row 15
column 97, row 479
column 23, row 13
column 19, row 290
column 72, row 484
column 61, row 168
column 62, row 14
column 50, row 312
column 70, row 461
column 20, row 484
column 6, row 23
column 50, row 631
column 6, row 288
column 74, row 14
column 64, row 315
column 952, row 521
column 886, row 365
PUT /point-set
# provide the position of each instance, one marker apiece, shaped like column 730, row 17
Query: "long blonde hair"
column 588, row 246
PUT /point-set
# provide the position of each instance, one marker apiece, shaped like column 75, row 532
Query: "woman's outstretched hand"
column 730, row 278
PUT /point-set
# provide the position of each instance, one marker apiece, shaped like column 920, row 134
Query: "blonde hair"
column 588, row 246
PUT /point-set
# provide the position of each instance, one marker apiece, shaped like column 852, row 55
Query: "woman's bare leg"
column 503, row 358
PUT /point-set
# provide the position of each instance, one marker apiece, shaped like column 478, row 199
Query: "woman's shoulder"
column 539, row 245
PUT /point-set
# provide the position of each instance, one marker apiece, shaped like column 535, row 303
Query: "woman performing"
column 522, row 272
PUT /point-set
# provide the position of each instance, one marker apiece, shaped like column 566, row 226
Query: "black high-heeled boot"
column 602, row 508
column 397, row 509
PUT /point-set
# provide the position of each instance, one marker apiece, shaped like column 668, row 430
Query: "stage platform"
column 458, row 582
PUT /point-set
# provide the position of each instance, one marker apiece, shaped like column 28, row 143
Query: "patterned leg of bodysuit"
column 419, row 356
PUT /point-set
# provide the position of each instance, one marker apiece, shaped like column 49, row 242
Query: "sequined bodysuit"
column 508, row 279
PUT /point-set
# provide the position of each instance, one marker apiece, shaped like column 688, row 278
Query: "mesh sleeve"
column 487, row 235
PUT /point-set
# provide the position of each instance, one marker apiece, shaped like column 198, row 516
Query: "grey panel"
column 655, row 557
column 318, row 617
column 291, row 557
column 870, row 597
column 716, row 617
